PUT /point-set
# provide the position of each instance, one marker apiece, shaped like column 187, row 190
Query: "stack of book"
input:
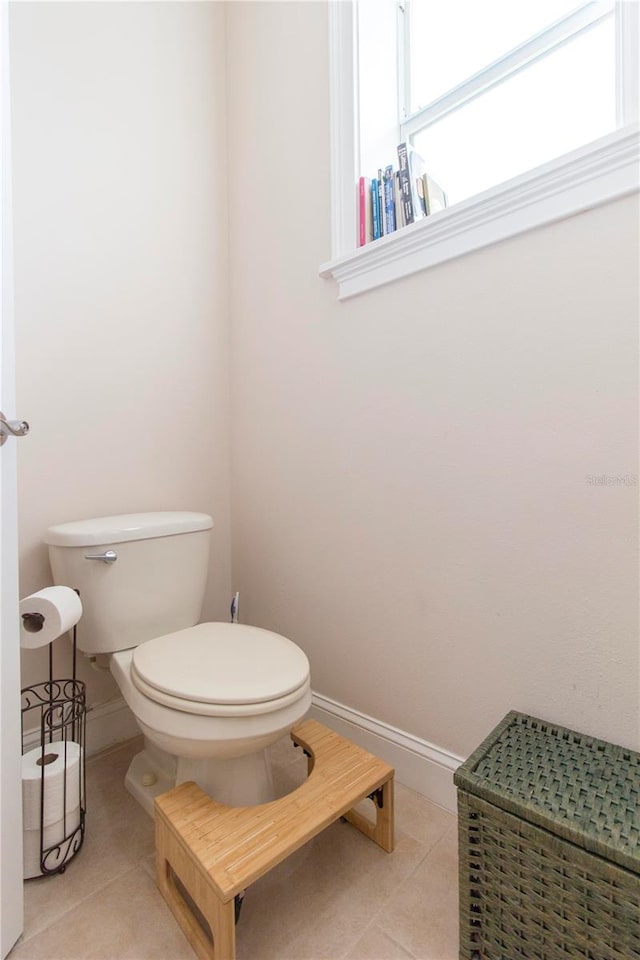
column 396, row 198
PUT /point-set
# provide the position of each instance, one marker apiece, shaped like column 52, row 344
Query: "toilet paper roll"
column 61, row 782
column 48, row 614
column 54, row 834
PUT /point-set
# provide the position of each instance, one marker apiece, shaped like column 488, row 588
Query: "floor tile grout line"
column 78, row 903
column 389, row 936
column 406, row 879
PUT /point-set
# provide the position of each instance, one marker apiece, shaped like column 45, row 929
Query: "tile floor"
column 340, row 897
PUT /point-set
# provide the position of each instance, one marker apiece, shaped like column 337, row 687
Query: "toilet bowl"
column 214, row 696
column 209, row 698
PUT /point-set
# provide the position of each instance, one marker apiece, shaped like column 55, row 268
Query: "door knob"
column 12, row 428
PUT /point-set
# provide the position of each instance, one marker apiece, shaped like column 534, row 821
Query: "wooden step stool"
column 212, row 852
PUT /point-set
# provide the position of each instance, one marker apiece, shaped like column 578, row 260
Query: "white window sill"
column 593, row 175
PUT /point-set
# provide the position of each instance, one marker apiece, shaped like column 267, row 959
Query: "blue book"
column 389, row 200
column 375, row 210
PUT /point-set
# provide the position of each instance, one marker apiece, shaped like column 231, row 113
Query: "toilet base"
column 140, row 767
column 239, row 781
column 235, row 781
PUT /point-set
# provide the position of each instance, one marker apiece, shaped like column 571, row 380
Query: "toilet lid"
column 221, row 663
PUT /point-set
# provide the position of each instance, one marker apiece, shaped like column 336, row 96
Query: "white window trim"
column 585, row 178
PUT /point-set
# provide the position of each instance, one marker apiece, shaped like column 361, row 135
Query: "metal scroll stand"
column 61, row 707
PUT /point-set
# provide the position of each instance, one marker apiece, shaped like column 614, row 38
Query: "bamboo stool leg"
column 381, row 832
column 219, row 917
column 222, row 921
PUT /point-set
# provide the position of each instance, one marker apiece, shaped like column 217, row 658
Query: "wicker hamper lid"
column 584, row 790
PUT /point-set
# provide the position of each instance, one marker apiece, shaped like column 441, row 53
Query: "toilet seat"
column 221, row 669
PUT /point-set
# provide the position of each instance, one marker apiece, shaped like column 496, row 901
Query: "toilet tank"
column 153, row 584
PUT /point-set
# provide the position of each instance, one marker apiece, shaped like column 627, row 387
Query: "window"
column 521, row 85
column 526, row 116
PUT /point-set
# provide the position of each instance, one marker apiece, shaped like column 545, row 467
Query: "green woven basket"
column 549, row 829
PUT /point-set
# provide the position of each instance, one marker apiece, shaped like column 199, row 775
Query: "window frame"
column 592, row 175
column 531, row 51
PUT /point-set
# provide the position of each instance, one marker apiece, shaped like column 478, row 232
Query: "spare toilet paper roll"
column 61, row 782
column 54, row 834
column 47, row 614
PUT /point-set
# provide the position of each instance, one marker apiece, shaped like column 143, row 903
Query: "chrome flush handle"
column 109, row 556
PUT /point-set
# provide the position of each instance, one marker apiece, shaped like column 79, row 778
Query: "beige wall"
column 120, row 272
column 409, row 468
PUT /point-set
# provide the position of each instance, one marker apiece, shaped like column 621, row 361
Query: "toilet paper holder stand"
column 54, row 714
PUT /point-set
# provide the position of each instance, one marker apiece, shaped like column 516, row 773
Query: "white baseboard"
column 418, row 764
column 107, row 724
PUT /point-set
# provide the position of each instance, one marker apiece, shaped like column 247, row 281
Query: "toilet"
column 209, row 698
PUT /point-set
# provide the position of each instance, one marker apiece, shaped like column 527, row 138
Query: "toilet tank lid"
column 126, row 527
